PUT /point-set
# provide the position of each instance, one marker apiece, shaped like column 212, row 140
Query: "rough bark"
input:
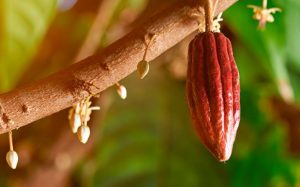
column 101, row 70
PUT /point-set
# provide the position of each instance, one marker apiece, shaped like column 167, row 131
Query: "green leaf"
column 292, row 26
column 22, row 26
column 268, row 46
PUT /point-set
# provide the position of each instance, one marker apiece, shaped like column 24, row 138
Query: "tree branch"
column 96, row 73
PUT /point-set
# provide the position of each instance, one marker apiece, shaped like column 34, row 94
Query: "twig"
column 91, row 42
column 208, row 16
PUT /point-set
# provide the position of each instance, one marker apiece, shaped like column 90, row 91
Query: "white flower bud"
column 143, row 68
column 77, row 107
column 12, row 159
column 75, row 122
column 71, row 113
column 83, row 133
column 122, row 91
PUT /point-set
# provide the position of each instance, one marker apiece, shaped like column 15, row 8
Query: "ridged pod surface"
column 213, row 92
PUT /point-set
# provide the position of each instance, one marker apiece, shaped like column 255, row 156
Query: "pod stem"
column 210, row 11
column 208, row 16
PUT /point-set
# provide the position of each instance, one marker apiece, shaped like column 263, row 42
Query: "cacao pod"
column 213, row 92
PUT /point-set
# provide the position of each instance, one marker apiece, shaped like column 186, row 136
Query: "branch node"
column 25, row 108
column 149, row 38
column 81, row 89
column 7, row 121
column 105, row 66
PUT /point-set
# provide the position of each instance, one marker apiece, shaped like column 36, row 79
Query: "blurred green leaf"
column 22, row 25
column 149, row 141
column 292, row 26
column 265, row 165
column 268, row 46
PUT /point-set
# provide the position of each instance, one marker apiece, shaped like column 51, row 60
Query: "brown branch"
column 96, row 73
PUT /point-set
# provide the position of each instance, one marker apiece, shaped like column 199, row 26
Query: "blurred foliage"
column 22, row 26
column 147, row 140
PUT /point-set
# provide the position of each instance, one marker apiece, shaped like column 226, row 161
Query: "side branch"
column 96, row 73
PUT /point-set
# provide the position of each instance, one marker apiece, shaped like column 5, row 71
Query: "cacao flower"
column 213, row 92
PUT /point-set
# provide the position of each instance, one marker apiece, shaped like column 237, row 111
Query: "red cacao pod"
column 213, row 92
